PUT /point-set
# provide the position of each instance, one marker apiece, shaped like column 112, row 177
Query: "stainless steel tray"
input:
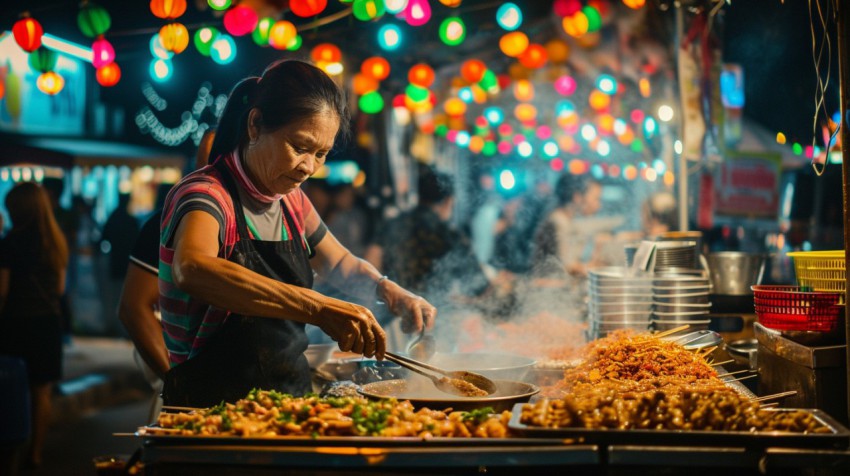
column 839, row 436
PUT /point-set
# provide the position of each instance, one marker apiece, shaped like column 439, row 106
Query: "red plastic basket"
column 787, row 308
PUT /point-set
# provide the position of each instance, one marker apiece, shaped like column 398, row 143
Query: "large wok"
column 421, row 393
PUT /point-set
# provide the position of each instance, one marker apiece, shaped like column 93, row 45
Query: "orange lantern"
column 307, row 8
column 28, row 33
column 281, row 33
column 362, row 84
column 558, row 51
column 534, row 56
column 513, row 43
column 168, row 9
column 523, row 90
column 473, row 70
column 50, row 83
column 2, row 90
column 479, row 95
column 525, row 112
column 455, row 107
column 476, row 144
column 599, row 100
column 576, row 25
column 451, row 3
column 606, row 123
column 376, row 67
column 421, row 75
column 326, row 53
column 174, row 37
column 635, row 4
column 108, row 75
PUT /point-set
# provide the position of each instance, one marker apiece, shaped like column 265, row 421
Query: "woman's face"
column 280, row 161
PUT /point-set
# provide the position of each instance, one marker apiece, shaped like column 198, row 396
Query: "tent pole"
column 843, row 12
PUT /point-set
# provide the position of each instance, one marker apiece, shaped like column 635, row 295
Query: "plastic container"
column 787, row 308
column 820, row 270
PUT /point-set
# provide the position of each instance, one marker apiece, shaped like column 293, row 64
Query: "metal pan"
column 422, row 394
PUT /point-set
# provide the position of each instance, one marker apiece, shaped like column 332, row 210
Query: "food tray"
column 838, row 438
column 820, row 270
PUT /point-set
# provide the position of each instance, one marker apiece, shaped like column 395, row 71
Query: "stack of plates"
column 680, row 299
column 619, row 299
column 675, row 254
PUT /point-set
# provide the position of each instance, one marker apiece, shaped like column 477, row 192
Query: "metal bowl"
column 663, row 325
column 681, row 316
column 491, row 365
column 621, row 307
column 687, row 298
column 422, row 393
column 681, row 307
column 681, row 289
column 620, row 298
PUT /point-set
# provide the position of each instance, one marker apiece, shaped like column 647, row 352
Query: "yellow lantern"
column 634, row 4
column 281, row 33
column 455, row 107
column 606, row 123
column 523, row 90
column 576, row 25
column 451, row 3
column 514, row 43
column 478, row 94
column 525, row 112
column 599, row 100
column 174, row 37
column 50, row 83
column 476, row 144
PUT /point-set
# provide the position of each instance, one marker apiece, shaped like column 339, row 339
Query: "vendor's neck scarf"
column 234, row 163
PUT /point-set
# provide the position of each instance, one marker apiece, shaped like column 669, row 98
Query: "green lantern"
column 220, row 5
column 452, row 31
column 417, row 93
column 368, row 10
column 43, row 60
column 441, row 130
column 295, row 43
column 93, row 20
column 261, row 32
column 489, row 149
column 594, row 19
column 371, row 102
column 489, row 81
column 204, row 38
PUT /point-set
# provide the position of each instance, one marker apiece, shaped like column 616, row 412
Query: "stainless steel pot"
column 733, row 272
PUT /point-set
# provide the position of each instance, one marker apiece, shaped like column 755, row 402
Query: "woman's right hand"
column 353, row 327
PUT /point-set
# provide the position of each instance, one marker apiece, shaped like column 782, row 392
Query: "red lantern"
column 376, row 67
column 50, row 83
column 473, row 70
column 28, row 33
column 421, row 75
column 174, row 37
column 326, row 53
column 168, row 8
column 103, row 53
column 535, row 56
column 307, row 8
column 108, row 75
column 240, row 20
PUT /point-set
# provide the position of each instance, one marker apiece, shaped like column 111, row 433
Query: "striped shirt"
column 189, row 322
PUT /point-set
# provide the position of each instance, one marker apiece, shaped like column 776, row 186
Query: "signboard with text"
column 747, row 184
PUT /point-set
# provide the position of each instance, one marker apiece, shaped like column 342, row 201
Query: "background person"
column 33, row 264
column 240, row 243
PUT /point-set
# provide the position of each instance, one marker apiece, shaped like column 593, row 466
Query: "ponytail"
column 232, row 127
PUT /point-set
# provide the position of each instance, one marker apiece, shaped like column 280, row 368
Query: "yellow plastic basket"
column 820, row 270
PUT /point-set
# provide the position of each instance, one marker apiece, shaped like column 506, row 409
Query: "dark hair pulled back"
column 568, row 185
column 288, row 91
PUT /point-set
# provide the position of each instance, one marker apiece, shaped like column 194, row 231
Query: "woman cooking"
column 240, row 243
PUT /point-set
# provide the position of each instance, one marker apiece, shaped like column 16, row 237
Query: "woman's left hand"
column 415, row 311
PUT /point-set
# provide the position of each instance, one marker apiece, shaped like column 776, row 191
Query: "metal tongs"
column 444, row 383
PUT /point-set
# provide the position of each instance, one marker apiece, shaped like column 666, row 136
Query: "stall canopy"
column 60, row 152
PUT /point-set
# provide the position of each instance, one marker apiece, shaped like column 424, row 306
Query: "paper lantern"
column 421, row 75
column 240, row 20
column 174, row 37
column 294, row 43
column 534, row 56
column 473, row 70
column 417, row 13
column 362, row 84
column 102, row 52
column 576, row 25
column 368, row 10
column 523, row 90
column 635, row 4
column 260, row 35
column 488, row 82
column 2, row 89
column 281, row 33
column 594, row 19
column 565, row 8
column 43, row 60
column 223, row 49
column 157, row 50
column 513, row 44
column 28, row 33
column 168, row 9
column 417, row 93
column 565, row 85
column 93, row 20
column 557, row 50
column 50, row 83
column 454, row 107
column 395, row 6
column 307, row 8
column 204, row 38
column 599, row 100
column 509, row 16
column 389, row 37
column 108, row 75
column 451, row 3
column 525, row 112
column 371, row 103
column 452, row 31
column 326, row 53
column 376, row 67
column 219, row 4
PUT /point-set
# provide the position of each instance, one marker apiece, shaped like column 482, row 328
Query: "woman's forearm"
column 355, row 276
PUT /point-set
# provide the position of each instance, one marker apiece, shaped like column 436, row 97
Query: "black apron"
column 249, row 352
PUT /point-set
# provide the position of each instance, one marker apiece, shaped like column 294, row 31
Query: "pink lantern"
column 103, row 52
column 417, row 13
column 240, row 20
column 565, row 85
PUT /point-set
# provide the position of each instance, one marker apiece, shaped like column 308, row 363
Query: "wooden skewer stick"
column 723, row 363
column 735, row 373
column 776, row 396
column 672, row 331
column 741, row 378
column 707, row 351
column 180, row 409
column 770, row 405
